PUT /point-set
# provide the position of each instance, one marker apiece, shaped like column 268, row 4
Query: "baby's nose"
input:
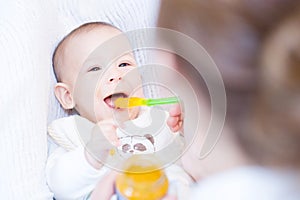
column 115, row 78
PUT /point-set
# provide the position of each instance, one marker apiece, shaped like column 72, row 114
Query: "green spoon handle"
column 161, row 101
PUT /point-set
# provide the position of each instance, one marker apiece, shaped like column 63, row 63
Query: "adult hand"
column 104, row 189
column 170, row 197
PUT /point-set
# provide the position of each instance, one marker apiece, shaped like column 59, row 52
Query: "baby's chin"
column 119, row 115
column 126, row 113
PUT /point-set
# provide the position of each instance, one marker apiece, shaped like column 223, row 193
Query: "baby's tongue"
column 111, row 100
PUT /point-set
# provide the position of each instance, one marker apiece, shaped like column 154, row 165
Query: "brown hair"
column 276, row 121
column 236, row 34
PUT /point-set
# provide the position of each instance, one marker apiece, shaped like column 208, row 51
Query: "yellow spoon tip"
column 129, row 102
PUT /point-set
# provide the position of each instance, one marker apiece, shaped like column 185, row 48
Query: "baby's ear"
column 64, row 95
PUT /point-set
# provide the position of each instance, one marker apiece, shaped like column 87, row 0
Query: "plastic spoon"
column 137, row 101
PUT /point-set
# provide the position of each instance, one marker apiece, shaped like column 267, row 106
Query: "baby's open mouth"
column 110, row 100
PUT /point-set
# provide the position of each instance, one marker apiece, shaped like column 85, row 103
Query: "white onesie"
column 70, row 176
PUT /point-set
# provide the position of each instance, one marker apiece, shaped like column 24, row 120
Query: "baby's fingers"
column 99, row 145
column 108, row 129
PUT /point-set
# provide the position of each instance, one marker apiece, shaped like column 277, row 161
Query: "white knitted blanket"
column 29, row 31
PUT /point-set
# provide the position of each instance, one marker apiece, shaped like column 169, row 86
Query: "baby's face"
column 95, row 80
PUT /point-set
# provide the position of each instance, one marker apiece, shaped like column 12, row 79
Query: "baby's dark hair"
column 60, row 47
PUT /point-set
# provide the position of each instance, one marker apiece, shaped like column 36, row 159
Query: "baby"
column 88, row 88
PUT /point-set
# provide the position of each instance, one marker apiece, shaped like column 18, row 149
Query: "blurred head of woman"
column 256, row 47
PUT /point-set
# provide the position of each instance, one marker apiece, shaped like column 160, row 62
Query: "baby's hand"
column 103, row 139
column 175, row 119
column 108, row 129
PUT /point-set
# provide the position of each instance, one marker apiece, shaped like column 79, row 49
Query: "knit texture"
column 29, row 32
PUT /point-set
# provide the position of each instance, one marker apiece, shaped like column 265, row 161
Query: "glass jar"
column 141, row 178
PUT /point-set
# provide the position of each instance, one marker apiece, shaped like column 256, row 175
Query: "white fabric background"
column 29, row 31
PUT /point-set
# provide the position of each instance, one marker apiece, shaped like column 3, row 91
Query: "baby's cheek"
column 101, row 111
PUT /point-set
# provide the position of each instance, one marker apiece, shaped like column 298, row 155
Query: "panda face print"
column 137, row 144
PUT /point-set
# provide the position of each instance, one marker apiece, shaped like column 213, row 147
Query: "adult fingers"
column 175, row 110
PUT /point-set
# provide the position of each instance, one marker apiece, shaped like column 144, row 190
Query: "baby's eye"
column 124, row 64
column 93, row 69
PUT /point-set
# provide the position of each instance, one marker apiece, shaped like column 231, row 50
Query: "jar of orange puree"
column 141, row 179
